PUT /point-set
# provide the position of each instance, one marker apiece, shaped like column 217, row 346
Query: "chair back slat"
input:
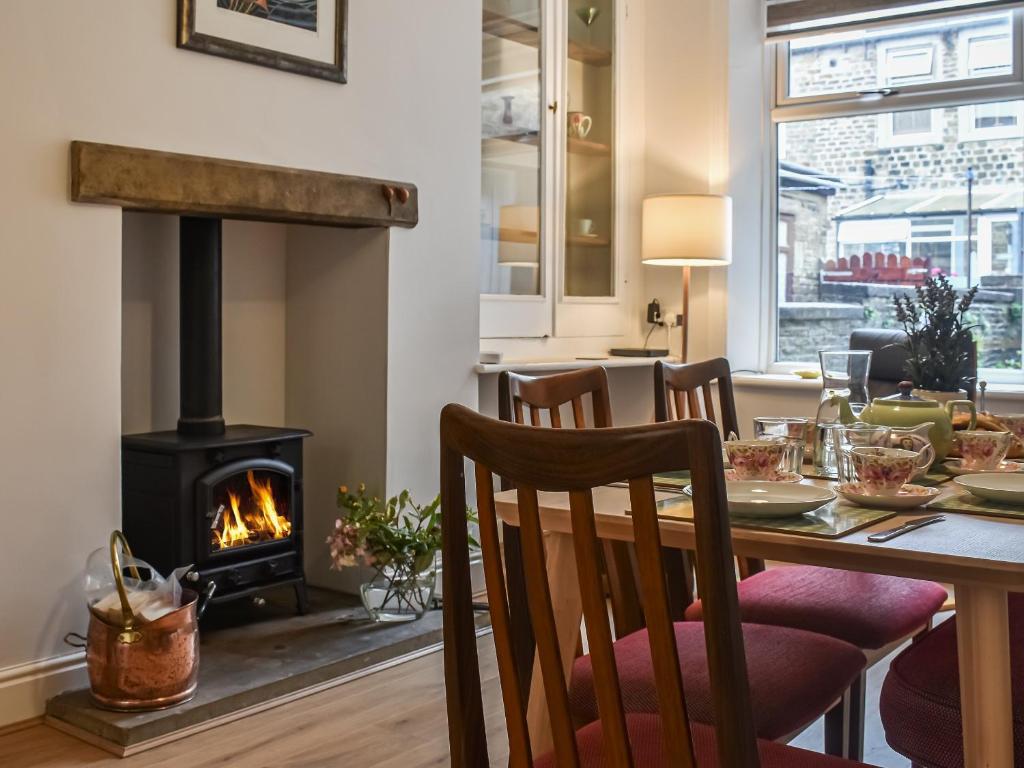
column 556, row 418
column 578, row 416
column 534, row 415
column 660, row 628
column 599, row 631
column 677, row 381
column 575, row 462
column 520, row 755
column 542, row 616
column 680, row 403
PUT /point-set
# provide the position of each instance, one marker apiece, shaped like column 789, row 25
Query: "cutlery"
column 907, row 527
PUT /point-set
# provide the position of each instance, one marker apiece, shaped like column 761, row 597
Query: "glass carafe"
column 844, row 375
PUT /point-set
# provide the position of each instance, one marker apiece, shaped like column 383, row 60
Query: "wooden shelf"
column 527, row 237
column 518, row 31
column 573, row 145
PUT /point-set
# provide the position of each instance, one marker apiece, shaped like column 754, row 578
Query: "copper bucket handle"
column 130, row 635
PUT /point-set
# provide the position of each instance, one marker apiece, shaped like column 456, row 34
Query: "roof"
column 941, row 202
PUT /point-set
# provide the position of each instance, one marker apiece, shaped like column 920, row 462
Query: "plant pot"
column 940, row 397
column 397, row 594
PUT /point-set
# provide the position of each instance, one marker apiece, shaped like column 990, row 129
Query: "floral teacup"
column 982, row 449
column 883, row 471
column 756, row 459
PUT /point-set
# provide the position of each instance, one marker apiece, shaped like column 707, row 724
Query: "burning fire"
column 260, row 520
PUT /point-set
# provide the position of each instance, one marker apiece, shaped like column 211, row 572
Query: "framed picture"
column 307, row 37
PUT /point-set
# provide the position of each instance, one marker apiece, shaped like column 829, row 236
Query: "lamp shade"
column 519, row 236
column 687, row 230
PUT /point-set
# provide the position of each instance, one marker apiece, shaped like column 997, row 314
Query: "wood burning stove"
column 226, row 499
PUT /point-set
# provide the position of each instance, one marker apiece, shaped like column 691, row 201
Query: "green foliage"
column 394, row 533
column 939, row 338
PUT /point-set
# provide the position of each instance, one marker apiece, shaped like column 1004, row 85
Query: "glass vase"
column 399, row 593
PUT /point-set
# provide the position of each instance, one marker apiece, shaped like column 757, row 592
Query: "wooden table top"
column 964, row 549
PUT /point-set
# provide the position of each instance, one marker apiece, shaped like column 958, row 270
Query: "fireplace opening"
column 250, row 508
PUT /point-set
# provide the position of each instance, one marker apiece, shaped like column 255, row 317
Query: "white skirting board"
column 25, row 688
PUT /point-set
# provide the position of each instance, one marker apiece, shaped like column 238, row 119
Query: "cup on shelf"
column 883, row 471
column 584, row 227
column 792, row 430
column 756, row 459
column 580, row 124
column 981, row 449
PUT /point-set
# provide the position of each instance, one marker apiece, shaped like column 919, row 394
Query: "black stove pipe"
column 200, row 339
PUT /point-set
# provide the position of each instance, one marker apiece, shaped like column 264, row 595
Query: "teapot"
column 906, row 411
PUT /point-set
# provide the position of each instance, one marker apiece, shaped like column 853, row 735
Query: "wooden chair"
column 576, row 461
column 870, row 611
column 545, row 396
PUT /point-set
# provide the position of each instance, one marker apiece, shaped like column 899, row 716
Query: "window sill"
column 791, row 381
column 532, row 366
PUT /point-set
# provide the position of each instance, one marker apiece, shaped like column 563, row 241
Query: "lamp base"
column 637, row 352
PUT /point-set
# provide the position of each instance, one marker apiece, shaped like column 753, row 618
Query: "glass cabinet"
column 547, row 215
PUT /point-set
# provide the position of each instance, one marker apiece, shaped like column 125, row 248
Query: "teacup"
column 580, row 124
column 883, row 471
column 1014, row 423
column 756, row 459
column 981, row 449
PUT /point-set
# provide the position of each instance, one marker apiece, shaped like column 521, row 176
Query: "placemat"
column 967, row 503
column 667, row 481
column 832, row 521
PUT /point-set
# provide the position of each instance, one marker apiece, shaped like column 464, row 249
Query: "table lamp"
column 687, row 231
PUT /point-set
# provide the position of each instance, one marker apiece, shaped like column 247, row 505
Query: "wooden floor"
column 392, row 719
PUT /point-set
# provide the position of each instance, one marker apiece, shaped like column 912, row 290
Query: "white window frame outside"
column 968, row 131
column 936, row 95
column 887, row 136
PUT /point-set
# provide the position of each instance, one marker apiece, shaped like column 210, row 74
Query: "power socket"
column 654, row 313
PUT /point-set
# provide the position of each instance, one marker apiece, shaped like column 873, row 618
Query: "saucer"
column 910, row 496
column 778, row 477
column 750, row 498
column 1003, row 487
column 954, row 467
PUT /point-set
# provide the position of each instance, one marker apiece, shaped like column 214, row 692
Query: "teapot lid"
column 905, row 396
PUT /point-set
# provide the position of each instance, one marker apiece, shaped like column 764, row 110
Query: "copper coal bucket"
column 144, row 666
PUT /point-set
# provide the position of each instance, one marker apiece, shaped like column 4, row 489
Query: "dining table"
column 981, row 556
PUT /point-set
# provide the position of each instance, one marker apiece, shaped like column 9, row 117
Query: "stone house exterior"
column 897, row 184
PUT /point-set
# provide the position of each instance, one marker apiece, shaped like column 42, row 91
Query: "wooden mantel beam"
column 167, row 182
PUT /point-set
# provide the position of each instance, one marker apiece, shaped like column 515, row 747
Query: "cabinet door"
column 515, row 268
column 589, row 280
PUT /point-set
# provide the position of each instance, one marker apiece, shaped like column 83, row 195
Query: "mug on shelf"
column 580, row 124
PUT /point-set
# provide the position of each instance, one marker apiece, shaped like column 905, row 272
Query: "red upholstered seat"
column 795, row 676
column 646, row 742
column 864, row 609
column 920, row 704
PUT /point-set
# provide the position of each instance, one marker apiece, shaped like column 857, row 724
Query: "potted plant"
column 939, row 342
column 399, row 540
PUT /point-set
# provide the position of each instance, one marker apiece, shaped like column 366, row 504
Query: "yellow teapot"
column 904, row 410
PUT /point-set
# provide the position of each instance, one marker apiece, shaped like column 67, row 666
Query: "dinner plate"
column 750, row 498
column 954, row 467
column 1003, row 487
column 778, row 477
column 909, row 497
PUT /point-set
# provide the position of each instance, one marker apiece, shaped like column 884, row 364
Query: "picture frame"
column 304, row 37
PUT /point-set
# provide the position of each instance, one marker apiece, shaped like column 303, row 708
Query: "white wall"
column 254, row 358
column 110, row 72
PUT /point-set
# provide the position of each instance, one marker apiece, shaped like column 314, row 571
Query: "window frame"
column 967, row 129
column 782, row 108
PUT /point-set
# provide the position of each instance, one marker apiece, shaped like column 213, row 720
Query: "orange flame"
column 259, row 522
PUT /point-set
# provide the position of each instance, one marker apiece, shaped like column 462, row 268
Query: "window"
column 900, row 66
column 900, row 154
column 985, row 53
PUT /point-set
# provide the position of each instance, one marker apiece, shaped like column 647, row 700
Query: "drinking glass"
column 793, row 430
column 859, row 435
column 826, row 463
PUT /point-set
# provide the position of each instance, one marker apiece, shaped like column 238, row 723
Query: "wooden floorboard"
column 392, row 719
